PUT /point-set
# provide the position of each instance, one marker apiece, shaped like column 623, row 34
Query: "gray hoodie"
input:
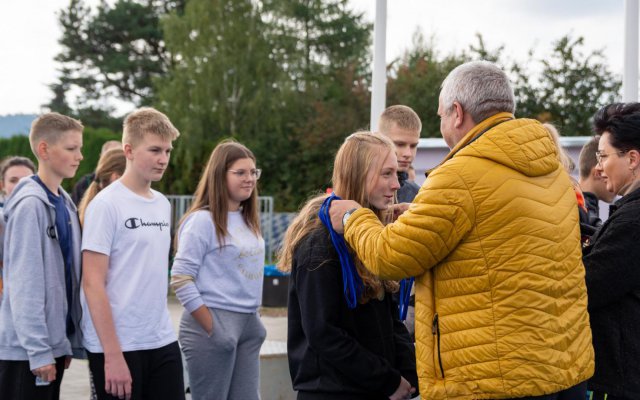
column 34, row 281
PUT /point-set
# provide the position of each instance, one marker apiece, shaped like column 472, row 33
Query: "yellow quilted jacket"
column 494, row 243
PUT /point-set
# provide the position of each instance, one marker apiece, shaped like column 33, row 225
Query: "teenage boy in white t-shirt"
column 132, row 348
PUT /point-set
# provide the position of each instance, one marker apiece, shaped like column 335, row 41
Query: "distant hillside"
column 15, row 124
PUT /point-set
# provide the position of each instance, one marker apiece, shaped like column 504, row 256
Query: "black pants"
column 577, row 392
column 155, row 374
column 603, row 396
column 17, row 382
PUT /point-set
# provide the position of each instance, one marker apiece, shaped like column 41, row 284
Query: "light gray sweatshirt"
column 206, row 272
column 34, row 305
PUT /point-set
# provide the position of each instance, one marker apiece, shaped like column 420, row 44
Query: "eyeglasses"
column 600, row 156
column 241, row 173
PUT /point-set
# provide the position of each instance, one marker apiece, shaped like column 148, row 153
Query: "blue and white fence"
column 273, row 225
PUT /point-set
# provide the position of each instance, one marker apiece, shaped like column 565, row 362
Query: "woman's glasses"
column 242, row 173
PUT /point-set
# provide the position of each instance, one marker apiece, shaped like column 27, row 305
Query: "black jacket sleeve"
column 318, row 279
column 405, row 353
column 611, row 264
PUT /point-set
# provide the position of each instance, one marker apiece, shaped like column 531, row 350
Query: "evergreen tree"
column 570, row 89
column 112, row 51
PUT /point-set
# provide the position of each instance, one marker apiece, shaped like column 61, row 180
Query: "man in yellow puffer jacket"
column 494, row 243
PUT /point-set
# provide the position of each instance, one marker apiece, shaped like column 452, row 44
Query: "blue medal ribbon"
column 403, row 299
column 351, row 281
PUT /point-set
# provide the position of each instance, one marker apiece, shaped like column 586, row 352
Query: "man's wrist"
column 346, row 216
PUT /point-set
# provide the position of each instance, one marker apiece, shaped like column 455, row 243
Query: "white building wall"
column 432, row 151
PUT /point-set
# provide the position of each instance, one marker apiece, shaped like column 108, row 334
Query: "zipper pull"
column 434, row 325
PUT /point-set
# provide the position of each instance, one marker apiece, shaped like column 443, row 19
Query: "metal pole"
column 630, row 77
column 379, row 79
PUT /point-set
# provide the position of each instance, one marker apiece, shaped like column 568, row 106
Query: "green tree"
column 285, row 78
column 112, row 51
column 571, row 87
column 323, row 49
column 93, row 139
column 313, row 39
column 223, row 83
column 414, row 80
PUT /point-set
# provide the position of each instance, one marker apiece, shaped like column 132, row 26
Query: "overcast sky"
column 29, row 34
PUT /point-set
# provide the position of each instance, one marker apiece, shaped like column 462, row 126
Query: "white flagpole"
column 379, row 79
column 630, row 77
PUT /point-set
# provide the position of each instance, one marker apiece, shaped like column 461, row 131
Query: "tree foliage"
column 415, row 79
column 114, row 50
column 273, row 75
column 571, row 87
column 288, row 78
column 92, row 139
column 223, row 84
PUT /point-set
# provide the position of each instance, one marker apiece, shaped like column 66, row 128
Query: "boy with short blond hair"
column 402, row 125
column 40, row 311
column 132, row 348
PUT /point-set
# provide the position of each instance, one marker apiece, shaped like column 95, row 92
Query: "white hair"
column 481, row 88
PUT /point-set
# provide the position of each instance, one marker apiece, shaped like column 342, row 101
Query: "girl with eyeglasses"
column 217, row 275
column 612, row 261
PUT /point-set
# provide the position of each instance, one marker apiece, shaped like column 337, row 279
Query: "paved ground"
column 75, row 385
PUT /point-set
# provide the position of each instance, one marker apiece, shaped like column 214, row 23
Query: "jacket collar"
column 634, row 194
column 402, row 178
column 474, row 134
column 591, row 201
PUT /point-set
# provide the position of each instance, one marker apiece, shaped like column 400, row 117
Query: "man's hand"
column 337, row 210
column 117, row 378
column 398, row 209
column 47, row 373
column 404, row 390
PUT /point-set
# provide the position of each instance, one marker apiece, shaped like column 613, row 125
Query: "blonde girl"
column 110, row 167
column 346, row 343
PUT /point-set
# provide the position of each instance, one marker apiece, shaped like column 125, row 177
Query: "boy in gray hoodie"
column 40, row 310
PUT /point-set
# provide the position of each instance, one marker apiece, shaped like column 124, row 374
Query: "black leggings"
column 155, row 374
column 603, row 396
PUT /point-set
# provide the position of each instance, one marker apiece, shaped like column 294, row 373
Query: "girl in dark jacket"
column 612, row 261
column 340, row 349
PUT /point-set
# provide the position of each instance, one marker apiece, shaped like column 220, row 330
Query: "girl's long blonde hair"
column 212, row 193
column 355, row 158
column 563, row 157
column 111, row 162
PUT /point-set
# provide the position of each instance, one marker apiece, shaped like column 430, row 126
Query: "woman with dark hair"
column 612, row 261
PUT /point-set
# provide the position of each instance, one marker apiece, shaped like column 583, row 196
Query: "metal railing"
column 180, row 204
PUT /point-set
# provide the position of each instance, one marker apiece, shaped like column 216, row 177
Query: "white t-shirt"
column 135, row 233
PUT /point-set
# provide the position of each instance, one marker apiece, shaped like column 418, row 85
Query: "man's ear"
column 459, row 114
